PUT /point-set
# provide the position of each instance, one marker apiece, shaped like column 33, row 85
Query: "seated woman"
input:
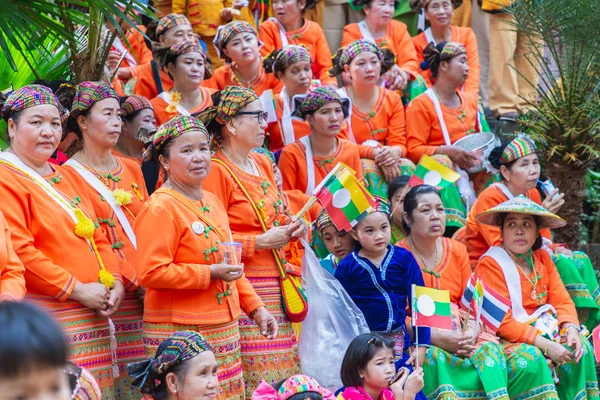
column 520, row 170
column 380, row 28
column 289, row 27
column 136, row 111
column 184, row 366
column 541, row 314
column 291, row 65
column 237, row 43
column 396, row 192
column 439, row 14
column 305, row 163
column 185, row 63
column 339, row 244
column 377, row 124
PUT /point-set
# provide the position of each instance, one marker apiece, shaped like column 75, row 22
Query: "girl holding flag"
column 378, row 277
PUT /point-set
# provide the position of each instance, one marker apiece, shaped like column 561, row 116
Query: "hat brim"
column 547, row 221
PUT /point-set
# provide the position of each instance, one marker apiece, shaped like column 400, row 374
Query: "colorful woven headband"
column 317, row 98
column 187, row 46
column 170, row 21
column 227, row 32
column 133, row 104
column 357, row 47
column 323, row 221
column 417, row 5
column 293, row 385
column 522, row 205
column 517, row 148
column 451, row 50
column 31, row 96
column 232, row 100
column 88, row 93
column 176, row 127
column 290, row 55
column 267, row 153
column 433, row 56
column 180, row 347
column 381, row 205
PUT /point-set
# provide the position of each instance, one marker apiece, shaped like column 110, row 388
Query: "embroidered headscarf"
column 180, row 347
column 345, row 55
column 295, row 384
column 418, row 5
column 170, row 21
column 31, row 96
column 323, row 221
column 317, row 98
column 176, row 127
column 227, row 32
column 89, row 93
column 227, row 103
column 280, row 59
column 134, row 103
column 519, row 147
column 164, row 55
column 435, row 54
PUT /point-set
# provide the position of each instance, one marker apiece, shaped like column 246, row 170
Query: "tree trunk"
column 571, row 182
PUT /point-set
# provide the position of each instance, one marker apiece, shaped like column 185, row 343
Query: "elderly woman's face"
column 200, row 380
column 380, row 11
column 242, row 48
column 177, row 34
column 187, row 161
column 250, row 126
column 102, row 125
column 519, row 232
column 428, row 219
column 439, row 12
column 36, row 133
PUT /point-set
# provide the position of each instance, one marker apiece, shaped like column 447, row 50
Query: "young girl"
column 396, row 192
column 368, row 369
column 339, row 244
column 378, row 278
column 296, row 387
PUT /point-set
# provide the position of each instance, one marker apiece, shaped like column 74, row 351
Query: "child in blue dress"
column 338, row 244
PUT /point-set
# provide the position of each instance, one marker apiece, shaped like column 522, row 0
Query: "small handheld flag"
column 431, row 308
column 492, row 309
column 431, row 172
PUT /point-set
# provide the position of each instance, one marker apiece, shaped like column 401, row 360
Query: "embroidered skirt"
column 225, row 338
column 528, row 374
column 375, row 181
column 263, row 359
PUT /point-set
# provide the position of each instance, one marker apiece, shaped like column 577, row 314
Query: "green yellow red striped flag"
column 431, row 307
column 431, row 172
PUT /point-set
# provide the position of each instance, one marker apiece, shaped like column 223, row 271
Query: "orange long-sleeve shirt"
column 12, row 271
column 466, row 37
column 310, row 36
column 145, row 84
column 480, row 237
column 292, row 164
column 130, row 178
column 384, row 124
column 423, row 129
column 140, row 51
column 396, row 38
column 160, row 106
column 174, row 267
column 43, row 234
column 557, row 295
column 223, row 76
column 301, row 128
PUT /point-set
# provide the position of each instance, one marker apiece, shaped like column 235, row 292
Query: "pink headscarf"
column 293, row 385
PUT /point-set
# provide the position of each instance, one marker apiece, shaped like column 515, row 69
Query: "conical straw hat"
column 522, row 205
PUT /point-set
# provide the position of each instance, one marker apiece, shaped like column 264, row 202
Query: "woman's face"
column 365, row 68
column 337, row 243
column 35, row 134
column 102, row 125
column 428, row 219
column 243, row 48
column 200, row 380
column 188, row 70
column 297, row 78
column 457, row 69
column 519, row 233
column 439, row 12
column 379, row 12
column 188, row 160
column 177, row 34
column 250, row 128
column 288, row 12
column 37, row 384
column 523, row 174
column 327, row 120
column 373, row 232
column 144, row 118
column 397, row 204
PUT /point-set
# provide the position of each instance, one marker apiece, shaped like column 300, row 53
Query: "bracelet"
column 546, row 349
column 574, row 327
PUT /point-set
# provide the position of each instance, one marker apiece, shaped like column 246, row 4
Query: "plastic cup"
column 232, row 253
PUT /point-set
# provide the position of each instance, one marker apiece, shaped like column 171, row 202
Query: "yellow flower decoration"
column 84, row 228
column 175, row 99
column 122, row 196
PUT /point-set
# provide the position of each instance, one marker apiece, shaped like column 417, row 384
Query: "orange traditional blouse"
column 466, row 37
column 224, row 76
column 274, row 130
column 423, row 130
column 140, row 52
column 385, row 124
column 12, row 271
column 396, row 39
column 292, row 164
column 174, row 267
column 160, row 106
column 43, row 233
column 310, row 36
column 549, row 284
column 128, row 177
column 117, row 153
column 145, row 85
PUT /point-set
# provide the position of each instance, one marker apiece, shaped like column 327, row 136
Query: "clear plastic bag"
column 333, row 321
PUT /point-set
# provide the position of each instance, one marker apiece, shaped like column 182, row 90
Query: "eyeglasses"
column 260, row 115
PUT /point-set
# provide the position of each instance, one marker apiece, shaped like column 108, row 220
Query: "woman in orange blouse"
column 12, row 280
column 237, row 43
column 136, row 111
column 186, row 65
column 244, row 183
column 306, row 162
column 117, row 191
column 541, row 312
column 439, row 14
column 189, row 287
column 377, row 124
column 71, row 269
column 289, row 27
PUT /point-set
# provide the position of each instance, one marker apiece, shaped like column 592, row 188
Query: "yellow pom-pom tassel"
column 122, row 196
column 106, row 278
column 85, row 227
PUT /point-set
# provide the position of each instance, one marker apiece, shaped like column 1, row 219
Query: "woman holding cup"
column 189, row 287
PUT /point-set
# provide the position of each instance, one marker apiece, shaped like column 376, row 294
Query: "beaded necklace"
column 425, row 268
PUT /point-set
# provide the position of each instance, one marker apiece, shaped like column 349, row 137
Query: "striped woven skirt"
column 225, row 338
column 88, row 337
column 130, row 344
column 263, row 359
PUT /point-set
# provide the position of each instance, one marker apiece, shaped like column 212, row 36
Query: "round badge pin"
column 198, row 228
